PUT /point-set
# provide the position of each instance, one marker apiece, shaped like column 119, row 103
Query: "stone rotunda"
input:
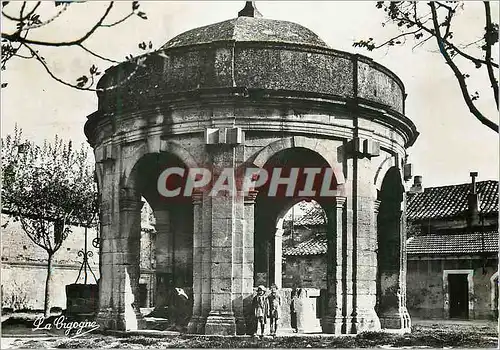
column 252, row 93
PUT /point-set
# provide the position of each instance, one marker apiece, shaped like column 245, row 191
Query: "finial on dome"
column 249, row 10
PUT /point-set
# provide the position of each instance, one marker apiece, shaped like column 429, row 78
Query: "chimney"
column 473, row 202
column 417, row 185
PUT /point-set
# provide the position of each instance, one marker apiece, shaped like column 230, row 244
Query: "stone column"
column 197, row 323
column 278, row 256
column 376, row 206
column 221, row 318
column 404, row 268
column 119, row 284
column 334, row 320
column 362, row 276
column 243, row 258
column 248, row 259
column 164, row 255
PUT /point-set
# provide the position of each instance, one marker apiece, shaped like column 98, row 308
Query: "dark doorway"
column 143, row 295
column 458, row 290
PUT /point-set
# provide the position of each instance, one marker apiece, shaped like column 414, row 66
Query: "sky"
column 451, row 143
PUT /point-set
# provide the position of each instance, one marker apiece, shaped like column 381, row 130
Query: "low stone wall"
column 23, row 286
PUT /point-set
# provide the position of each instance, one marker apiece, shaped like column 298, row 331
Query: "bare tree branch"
column 119, row 21
column 30, row 234
column 13, row 42
column 51, row 19
column 97, row 55
column 397, row 37
column 489, row 43
column 407, row 16
column 52, row 75
column 138, row 64
column 21, row 17
column 458, row 74
column 17, row 38
column 417, row 22
column 422, row 42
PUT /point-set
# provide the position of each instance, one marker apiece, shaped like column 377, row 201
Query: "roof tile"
column 451, row 201
column 476, row 242
column 313, row 246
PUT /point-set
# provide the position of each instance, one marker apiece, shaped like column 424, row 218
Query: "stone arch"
column 99, row 174
column 315, row 145
column 381, row 171
column 278, row 241
column 273, row 254
column 149, row 147
column 281, row 214
column 391, row 264
column 173, row 233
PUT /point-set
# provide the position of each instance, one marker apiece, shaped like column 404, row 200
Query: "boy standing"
column 261, row 309
column 274, row 309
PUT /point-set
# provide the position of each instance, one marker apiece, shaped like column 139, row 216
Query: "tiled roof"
column 451, row 201
column 314, row 216
column 427, row 244
column 313, row 246
column 477, row 242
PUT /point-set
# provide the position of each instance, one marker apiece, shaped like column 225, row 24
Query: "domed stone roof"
column 248, row 29
column 250, row 61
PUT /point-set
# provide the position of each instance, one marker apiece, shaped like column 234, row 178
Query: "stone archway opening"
column 275, row 198
column 271, row 205
column 304, row 245
column 304, row 263
column 391, row 260
column 172, row 242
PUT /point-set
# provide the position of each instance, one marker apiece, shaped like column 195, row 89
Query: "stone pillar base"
column 220, row 324
column 333, row 325
column 241, row 326
column 120, row 321
column 396, row 319
column 363, row 321
column 196, row 325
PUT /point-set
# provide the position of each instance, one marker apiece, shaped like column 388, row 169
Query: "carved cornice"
column 130, row 204
column 130, row 200
column 250, row 197
column 340, row 202
column 197, row 197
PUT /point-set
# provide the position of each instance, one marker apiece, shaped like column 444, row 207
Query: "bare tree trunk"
column 48, row 287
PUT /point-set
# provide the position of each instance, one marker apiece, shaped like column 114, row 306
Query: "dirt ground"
column 425, row 334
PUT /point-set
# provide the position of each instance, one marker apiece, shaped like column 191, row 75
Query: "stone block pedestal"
column 196, row 325
column 220, row 324
column 110, row 319
column 396, row 319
